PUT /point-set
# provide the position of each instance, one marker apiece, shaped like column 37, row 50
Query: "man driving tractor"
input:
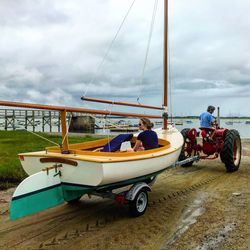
column 216, row 142
column 206, row 118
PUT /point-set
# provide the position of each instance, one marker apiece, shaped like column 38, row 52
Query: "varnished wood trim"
column 58, row 160
column 121, row 103
column 132, row 157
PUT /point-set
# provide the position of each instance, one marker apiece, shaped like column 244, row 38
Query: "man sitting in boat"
column 147, row 139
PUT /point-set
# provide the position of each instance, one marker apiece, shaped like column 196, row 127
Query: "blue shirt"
column 149, row 139
column 206, row 119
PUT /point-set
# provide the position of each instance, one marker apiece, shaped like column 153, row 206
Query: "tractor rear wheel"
column 186, row 152
column 231, row 153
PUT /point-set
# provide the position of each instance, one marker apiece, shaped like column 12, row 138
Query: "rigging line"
column 104, row 118
column 108, row 50
column 147, row 50
column 42, row 137
column 67, row 128
column 112, row 105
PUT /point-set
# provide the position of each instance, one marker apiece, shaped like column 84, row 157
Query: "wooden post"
column 65, row 145
column 59, row 122
column 13, row 119
column 50, row 122
column 26, row 119
column 43, row 121
column 5, row 120
column 33, row 120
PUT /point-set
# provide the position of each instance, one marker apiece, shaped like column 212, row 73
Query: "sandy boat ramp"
column 201, row 207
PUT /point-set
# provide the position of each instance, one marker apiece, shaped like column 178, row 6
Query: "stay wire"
column 108, row 50
column 44, row 138
column 105, row 122
column 147, row 50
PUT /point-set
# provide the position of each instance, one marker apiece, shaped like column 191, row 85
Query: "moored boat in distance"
column 124, row 129
column 178, row 123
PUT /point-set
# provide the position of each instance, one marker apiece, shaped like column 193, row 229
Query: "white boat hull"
column 97, row 174
column 93, row 173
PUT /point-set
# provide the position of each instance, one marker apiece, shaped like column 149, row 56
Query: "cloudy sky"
column 50, row 51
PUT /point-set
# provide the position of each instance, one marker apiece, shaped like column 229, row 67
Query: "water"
column 240, row 125
column 215, row 241
column 189, row 217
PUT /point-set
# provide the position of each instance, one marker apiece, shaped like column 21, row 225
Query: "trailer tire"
column 183, row 155
column 231, row 153
column 138, row 206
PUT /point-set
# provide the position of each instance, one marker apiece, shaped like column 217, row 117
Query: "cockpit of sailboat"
column 92, row 151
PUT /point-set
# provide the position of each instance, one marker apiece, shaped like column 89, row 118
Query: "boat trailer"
column 137, row 195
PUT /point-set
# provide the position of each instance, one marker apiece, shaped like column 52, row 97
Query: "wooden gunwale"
column 58, row 160
column 84, row 148
column 98, row 159
column 109, row 157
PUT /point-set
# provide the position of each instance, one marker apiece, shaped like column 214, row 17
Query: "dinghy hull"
column 56, row 177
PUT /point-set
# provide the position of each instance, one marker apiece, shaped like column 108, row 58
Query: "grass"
column 14, row 142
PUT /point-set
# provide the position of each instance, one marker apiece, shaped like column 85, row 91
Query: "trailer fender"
column 130, row 195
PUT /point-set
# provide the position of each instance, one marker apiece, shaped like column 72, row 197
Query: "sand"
column 201, row 207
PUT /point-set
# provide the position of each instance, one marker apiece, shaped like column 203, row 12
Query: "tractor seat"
column 206, row 131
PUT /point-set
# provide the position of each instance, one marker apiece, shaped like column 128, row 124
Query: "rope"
column 41, row 137
column 108, row 50
column 67, row 128
column 147, row 50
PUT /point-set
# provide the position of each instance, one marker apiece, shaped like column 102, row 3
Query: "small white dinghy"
column 57, row 176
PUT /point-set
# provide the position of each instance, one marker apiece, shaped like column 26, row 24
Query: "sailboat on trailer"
column 65, row 173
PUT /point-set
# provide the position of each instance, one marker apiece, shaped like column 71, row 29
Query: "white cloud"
column 50, row 50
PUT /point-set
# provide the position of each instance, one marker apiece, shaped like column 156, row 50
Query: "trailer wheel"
column 138, row 206
column 186, row 151
column 231, row 153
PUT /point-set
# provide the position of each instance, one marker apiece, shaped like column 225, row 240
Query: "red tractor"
column 215, row 142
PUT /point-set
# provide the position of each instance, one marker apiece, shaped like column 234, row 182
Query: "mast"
column 165, row 66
